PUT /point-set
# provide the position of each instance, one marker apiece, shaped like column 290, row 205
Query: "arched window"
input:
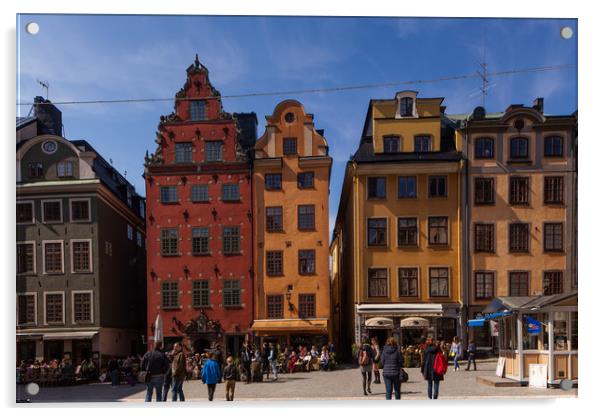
column 484, row 148
column 519, row 148
column 406, row 107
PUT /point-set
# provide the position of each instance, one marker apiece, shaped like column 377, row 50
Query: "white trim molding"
column 44, row 242
column 63, row 308
column 60, row 201
column 33, row 211
column 73, row 293
column 35, row 308
column 33, row 243
column 71, row 200
column 90, row 266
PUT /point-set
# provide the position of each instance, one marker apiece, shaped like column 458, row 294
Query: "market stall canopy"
column 70, row 335
column 414, row 322
column 288, row 325
column 379, row 322
column 400, row 309
column 488, row 317
column 515, row 303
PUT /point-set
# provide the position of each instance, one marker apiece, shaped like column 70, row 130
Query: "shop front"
column 292, row 332
column 409, row 324
column 536, row 330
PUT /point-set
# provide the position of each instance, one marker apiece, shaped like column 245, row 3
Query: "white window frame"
column 407, row 247
column 71, row 200
column 57, row 292
column 35, row 268
column 35, row 306
column 44, row 242
column 33, row 211
column 367, row 239
column 428, row 230
column 81, row 240
column 60, row 201
column 73, row 293
column 374, row 267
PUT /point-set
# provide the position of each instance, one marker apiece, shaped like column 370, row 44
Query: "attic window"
column 406, row 107
column 289, row 117
column 197, row 110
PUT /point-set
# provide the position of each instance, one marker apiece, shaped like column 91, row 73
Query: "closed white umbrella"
column 158, row 329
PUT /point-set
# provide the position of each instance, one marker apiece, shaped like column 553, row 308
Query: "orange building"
column 291, row 184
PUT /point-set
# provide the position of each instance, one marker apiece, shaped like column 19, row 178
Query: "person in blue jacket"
column 211, row 375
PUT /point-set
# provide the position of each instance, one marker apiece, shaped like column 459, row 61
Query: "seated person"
column 324, row 359
column 292, row 361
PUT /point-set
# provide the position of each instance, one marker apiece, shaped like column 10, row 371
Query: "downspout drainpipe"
column 466, row 240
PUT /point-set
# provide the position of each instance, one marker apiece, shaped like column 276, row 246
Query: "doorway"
column 380, row 334
column 53, row 350
column 81, row 350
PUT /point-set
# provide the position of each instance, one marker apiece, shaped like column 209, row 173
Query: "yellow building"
column 396, row 245
column 521, row 191
column 290, row 192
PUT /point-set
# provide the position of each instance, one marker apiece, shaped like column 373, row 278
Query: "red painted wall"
column 161, row 170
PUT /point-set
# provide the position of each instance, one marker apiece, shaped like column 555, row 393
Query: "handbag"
column 403, row 376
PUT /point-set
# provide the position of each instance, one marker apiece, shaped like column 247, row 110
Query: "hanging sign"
column 533, row 325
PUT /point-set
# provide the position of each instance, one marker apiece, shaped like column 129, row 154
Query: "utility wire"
column 319, row 90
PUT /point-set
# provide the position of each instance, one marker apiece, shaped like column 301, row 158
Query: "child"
column 230, row 375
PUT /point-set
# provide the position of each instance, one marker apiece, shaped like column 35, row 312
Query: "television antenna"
column 44, row 84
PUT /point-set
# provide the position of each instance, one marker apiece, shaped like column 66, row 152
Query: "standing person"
column 392, row 364
column 230, row 374
column 167, row 378
column 265, row 353
column 365, row 359
column 456, row 352
column 178, row 372
column 211, row 375
column 428, row 368
column 273, row 361
column 376, row 349
column 245, row 357
column 472, row 353
column 156, row 364
column 113, row 370
column 324, row 359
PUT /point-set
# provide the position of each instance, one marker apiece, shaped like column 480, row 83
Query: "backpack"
column 364, row 357
column 440, row 365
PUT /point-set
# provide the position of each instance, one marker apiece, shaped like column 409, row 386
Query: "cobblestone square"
column 343, row 384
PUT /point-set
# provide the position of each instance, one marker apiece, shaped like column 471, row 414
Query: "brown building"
column 521, row 206
column 290, row 192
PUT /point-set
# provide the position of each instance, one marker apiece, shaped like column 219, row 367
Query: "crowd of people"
column 55, row 372
column 431, row 356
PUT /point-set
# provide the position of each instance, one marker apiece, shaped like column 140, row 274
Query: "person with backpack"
column 455, row 352
column 376, row 349
column 392, row 362
column 365, row 358
column 472, row 353
column 434, row 367
column 211, row 375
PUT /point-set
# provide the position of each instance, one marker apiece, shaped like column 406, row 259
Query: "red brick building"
column 199, row 219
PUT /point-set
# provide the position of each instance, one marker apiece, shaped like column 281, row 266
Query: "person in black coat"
column 427, row 368
column 392, row 362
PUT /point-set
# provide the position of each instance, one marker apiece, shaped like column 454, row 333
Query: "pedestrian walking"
column 211, row 375
column 230, row 375
column 246, row 355
column 273, row 361
column 365, row 358
column 113, row 370
column 167, row 379
column 156, row 364
column 472, row 353
column 392, row 363
column 456, row 352
column 178, row 373
column 429, row 369
column 376, row 348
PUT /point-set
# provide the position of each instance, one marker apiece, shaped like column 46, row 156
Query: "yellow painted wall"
column 291, row 239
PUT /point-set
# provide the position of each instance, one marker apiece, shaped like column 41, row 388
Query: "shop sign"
column 533, row 325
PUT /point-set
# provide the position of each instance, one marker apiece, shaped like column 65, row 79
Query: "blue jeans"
column 392, row 383
column 456, row 358
column 430, row 389
column 274, row 368
column 156, row 383
column 176, row 390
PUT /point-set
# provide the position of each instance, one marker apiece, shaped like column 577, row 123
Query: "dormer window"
column 406, row 107
column 197, row 110
column 64, row 169
column 391, row 144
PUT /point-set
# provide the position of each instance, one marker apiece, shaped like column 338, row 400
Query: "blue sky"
column 88, row 57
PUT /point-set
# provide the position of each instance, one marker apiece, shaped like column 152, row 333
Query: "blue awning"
column 481, row 321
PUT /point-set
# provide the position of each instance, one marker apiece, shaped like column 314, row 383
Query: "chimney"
column 50, row 118
column 538, row 104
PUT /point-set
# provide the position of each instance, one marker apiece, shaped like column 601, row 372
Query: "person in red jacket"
column 428, row 368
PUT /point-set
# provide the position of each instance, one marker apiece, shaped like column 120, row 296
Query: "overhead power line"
column 320, row 90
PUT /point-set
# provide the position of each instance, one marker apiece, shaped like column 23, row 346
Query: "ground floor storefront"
column 409, row 324
column 291, row 332
column 77, row 345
